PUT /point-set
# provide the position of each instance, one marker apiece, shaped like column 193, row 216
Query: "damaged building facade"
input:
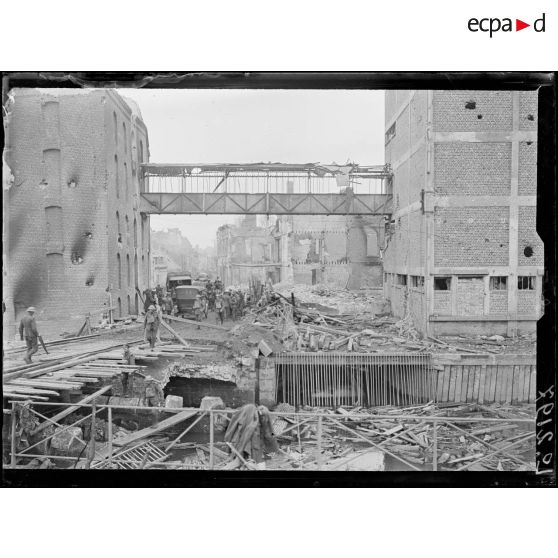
column 74, row 239
column 342, row 251
column 462, row 254
column 246, row 251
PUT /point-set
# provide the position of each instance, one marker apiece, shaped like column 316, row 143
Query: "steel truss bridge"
column 260, row 188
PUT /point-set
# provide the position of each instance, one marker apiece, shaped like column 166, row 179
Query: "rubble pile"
column 472, row 444
column 315, row 323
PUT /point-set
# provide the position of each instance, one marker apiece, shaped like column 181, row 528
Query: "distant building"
column 74, row 238
column 342, row 251
column 462, row 254
column 159, row 269
column 246, row 251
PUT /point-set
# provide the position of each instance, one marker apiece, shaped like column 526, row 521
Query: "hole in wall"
column 77, row 258
column 529, row 142
column 530, row 117
column 119, row 238
column 88, row 235
column 471, row 105
column 479, row 116
column 72, row 184
column 89, row 281
column 528, row 251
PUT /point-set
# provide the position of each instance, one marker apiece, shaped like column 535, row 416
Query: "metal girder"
column 270, row 204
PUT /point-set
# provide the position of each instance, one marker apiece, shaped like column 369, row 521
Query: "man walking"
column 219, row 307
column 151, row 325
column 28, row 329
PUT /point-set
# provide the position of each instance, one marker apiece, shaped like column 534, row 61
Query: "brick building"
column 246, row 251
column 343, row 251
column 74, row 238
column 462, row 254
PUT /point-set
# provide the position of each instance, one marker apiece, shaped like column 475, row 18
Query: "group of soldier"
column 227, row 304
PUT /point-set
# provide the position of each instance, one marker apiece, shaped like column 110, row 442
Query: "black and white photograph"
column 298, row 280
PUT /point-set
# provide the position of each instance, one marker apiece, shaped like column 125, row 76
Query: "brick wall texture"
column 471, row 236
column 61, row 210
column 527, row 168
column 463, row 163
column 474, row 169
column 526, row 302
column 451, row 114
column 527, row 236
column 498, row 302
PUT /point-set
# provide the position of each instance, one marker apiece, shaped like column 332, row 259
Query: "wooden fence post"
column 211, row 439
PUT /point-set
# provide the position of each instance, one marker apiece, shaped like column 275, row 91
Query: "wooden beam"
column 69, row 410
column 149, row 431
column 202, row 324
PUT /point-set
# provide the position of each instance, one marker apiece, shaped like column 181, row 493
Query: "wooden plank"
column 458, row 382
column 12, row 395
column 533, row 385
column 482, row 383
column 490, row 383
column 451, row 392
column 464, row 384
column 193, row 322
column 52, row 384
column 30, row 390
column 476, row 383
column 447, row 376
column 149, row 431
column 440, row 384
column 470, row 384
column 517, row 381
column 509, row 384
column 42, row 371
column 69, row 410
column 526, row 378
column 498, row 385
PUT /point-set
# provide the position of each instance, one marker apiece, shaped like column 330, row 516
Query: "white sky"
column 248, row 126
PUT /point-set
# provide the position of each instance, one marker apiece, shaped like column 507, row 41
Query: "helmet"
column 151, row 307
column 31, row 309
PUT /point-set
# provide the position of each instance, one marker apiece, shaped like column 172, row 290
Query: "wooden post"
column 91, row 448
column 13, row 441
column 211, row 439
column 319, row 435
column 257, row 389
column 109, row 435
column 110, row 306
column 435, row 447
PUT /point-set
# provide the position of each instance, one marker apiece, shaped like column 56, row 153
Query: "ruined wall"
column 126, row 146
column 464, row 190
column 405, row 238
column 59, row 208
column 341, row 251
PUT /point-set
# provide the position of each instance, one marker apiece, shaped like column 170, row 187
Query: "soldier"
column 147, row 299
column 204, row 303
column 219, row 307
column 159, row 292
column 226, row 304
column 198, row 310
column 211, row 300
column 168, row 305
column 151, row 325
column 28, row 329
column 234, row 306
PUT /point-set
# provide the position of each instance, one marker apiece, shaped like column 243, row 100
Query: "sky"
column 249, row 126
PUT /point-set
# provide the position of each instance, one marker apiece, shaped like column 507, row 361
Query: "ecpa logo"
column 494, row 24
